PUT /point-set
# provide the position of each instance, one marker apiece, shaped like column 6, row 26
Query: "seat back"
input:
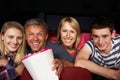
column 75, row 73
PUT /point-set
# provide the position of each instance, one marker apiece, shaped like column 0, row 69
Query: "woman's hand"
column 58, row 66
column 3, row 62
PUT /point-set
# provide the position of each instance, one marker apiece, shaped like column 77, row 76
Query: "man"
column 36, row 32
column 101, row 55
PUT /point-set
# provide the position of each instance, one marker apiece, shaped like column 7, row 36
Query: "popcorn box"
column 39, row 65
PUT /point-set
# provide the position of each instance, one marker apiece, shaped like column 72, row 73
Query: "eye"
column 105, row 36
column 30, row 34
column 94, row 36
column 72, row 31
column 10, row 37
column 40, row 34
column 19, row 38
column 64, row 30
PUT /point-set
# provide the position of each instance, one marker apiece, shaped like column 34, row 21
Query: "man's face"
column 102, row 39
column 36, row 37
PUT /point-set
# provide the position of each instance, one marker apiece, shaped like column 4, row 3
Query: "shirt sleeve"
column 9, row 73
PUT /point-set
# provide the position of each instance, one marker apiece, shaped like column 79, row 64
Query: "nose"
column 100, row 40
column 15, row 41
column 68, row 34
column 35, row 37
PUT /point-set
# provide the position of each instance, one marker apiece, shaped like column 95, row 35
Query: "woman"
column 12, row 47
column 69, row 36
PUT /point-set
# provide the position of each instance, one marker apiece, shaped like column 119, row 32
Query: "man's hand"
column 58, row 66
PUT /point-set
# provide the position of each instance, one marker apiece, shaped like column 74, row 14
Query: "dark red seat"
column 75, row 73
column 25, row 75
column 69, row 73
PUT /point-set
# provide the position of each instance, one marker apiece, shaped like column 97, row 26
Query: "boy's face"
column 102, row 39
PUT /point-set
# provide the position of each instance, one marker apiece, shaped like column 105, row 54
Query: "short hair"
column 103, row 22
column 38, row 22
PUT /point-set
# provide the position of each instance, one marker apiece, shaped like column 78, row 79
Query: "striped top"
column 111, row 60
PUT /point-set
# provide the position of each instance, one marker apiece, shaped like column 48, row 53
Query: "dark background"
column 53, row 10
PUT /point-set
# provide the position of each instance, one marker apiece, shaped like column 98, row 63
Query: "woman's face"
column 12, row 39
column 68, row 35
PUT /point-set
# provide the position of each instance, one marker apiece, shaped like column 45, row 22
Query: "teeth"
column 68, row 40
column 35, row 43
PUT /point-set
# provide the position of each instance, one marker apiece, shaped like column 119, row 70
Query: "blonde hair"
column 21, row 50
column 74, row 24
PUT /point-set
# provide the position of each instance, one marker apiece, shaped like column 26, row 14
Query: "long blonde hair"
column 21, row 50
column 74, row 24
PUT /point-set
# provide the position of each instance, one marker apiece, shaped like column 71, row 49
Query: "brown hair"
column 103, row 22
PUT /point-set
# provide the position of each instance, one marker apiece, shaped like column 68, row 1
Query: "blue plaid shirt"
column 8, row 72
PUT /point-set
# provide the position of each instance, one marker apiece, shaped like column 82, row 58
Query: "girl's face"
column 68, row 35
column 12, row 39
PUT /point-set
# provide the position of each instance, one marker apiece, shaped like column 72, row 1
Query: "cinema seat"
column 75, row 73
column 25, row 75
column 68, row 73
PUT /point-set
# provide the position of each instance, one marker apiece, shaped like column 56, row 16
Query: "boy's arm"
column 82, row 60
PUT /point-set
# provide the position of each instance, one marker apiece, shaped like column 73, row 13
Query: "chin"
column 67, row 44
column 35, row 50
column 101, row 49
column 13, row 50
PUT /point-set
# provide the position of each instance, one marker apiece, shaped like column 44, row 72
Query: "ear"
column 113, row 33
column 46, row 37
column 25, row 36
column 2, row 36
